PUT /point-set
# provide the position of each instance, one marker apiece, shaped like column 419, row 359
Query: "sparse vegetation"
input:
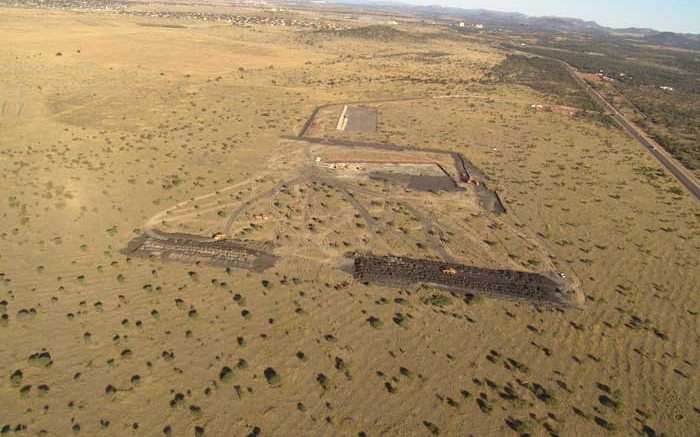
column 162, row 122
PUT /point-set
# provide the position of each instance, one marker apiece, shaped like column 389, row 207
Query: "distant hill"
column 506, row 19
column 674, row 39
column 515, row 19
column 560, row 23
column 635, row 31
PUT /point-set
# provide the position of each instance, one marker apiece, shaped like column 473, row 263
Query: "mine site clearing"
column 388, row 210
column 390, row 339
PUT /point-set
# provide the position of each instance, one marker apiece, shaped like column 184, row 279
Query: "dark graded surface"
column 222, row 253
column 490, row 199
column 418, row 182
column 511, row 284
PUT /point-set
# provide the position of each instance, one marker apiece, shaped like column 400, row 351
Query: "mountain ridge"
column 547, row 22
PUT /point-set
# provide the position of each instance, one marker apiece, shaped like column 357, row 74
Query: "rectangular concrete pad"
column 361, row 119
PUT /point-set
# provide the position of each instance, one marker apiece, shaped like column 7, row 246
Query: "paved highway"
column 683, row 175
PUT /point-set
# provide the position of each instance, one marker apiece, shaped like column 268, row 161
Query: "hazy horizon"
column 681, row 16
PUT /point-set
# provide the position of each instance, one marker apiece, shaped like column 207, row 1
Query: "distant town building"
column 461, row 24
column 478, row 26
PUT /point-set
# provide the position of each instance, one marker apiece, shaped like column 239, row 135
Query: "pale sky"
column 665, row 15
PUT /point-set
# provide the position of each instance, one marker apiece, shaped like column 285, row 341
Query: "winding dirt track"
column 309, row 172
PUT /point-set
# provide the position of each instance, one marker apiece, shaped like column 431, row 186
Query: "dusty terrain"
column 113, row 125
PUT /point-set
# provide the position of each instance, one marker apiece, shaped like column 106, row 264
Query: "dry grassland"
column 131, row 120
